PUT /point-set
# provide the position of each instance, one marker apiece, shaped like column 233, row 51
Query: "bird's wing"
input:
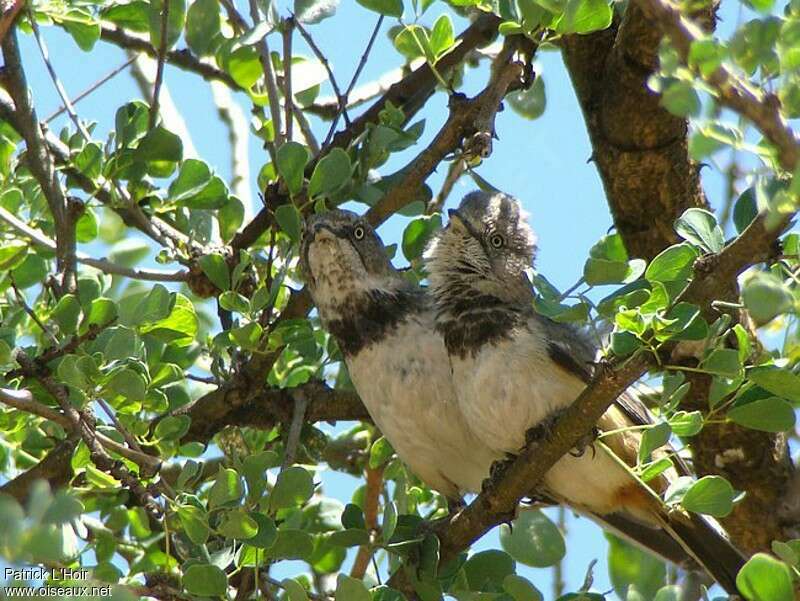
column 571, row 349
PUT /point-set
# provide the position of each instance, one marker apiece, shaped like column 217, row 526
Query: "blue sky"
column 543, row 163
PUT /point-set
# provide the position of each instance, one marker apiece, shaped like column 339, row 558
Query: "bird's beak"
column 459, row 224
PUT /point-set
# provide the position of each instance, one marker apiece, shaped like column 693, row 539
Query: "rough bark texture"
column 641, row 152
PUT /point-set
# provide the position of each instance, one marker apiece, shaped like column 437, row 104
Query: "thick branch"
column 242, row 404
column 56, row 469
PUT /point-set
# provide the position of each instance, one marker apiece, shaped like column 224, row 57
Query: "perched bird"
column 514, row 369
column 384, row 325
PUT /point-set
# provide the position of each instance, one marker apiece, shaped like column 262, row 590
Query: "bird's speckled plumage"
column 513, row 369
column 396, row 360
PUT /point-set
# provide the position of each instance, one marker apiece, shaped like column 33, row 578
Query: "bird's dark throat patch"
column 368, row 318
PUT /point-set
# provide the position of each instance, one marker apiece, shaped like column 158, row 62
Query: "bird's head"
column 487, row 246
column 342, row 259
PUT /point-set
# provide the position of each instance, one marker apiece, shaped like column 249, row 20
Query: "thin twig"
column 372, row 495
column 236, row 19
column 23, row 400
column 119, row 425
column 269, row 78
column 31, row 313
column 40, row 161
column 761, row 108
column 162, row 54
column 62, row 92
column 103, row 265
column 91, row 89
column 454, row 173
column 331, row 77
column 288, row 29
column 293, row 438
column 84, row 424
column 344, row 100
column 305, row 129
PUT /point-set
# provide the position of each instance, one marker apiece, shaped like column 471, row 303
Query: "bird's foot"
column 542, row 430
column 497, row 470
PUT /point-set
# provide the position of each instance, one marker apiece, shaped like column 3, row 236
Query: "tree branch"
column 240, row 403
column 40, row 161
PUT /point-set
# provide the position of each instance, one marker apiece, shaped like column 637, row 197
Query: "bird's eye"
column 359, row 232
column 496, row 240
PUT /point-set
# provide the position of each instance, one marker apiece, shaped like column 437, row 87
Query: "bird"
column 515, row 371
column 384, row 326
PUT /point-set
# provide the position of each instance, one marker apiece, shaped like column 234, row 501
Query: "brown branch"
column 243, row 402
column 409, row 94
column 289, row 25
column 271, row 82
column 162, row 55
column 41, row 162
column 84, row 425
column 471, row 121
column 760, row 108
column 55, row 468
column 372, row 494
column 183, row 59
column 9, row 16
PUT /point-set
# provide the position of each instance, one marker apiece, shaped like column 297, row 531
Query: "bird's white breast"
column 406, row 385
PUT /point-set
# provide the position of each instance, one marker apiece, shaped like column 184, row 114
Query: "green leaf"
column 521, row 589
column 533, row 540
column 351, row 537
column 290, row 221
column 723, row 362
column 685, row 423
column 294, row 589
column 442, row 37
column 380, row 452
column 267, row 532
column 179, row 327
column 127, row 383
column 293, row 488
column 291, row 162
column 172, row 427
column 764, row 578
column 585, row 16
column 160, row 144
column 766, row 297
column 597, row 272
column 202, row 26
column 175, row 20
column 66, row 313
column 330, row 173
column 12, row 253
column 312, row 12
column 681, row 99
column 231, row 217
column 530, row 103
column 248, row 336
column 654, row 438
column 672, row 264
column 153, row 306
column 86, row 226
column 291, row 544
column 389, row 521
column 205, row 580
column 772, row 414
column 83, row 28
column 193, row 177
column 227, row 488
column 353, row 517
column 216, row 268
column 711, row 495
column 390, row 8
column 413, row 42
column 350, row 589
column 779, row 381
column 700, row 227
column 488, row 569
column 237, row 524
column 631, row 569
column 195, row 523
column 417, row 235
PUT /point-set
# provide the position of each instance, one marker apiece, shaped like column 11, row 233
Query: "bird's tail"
column 707, row 545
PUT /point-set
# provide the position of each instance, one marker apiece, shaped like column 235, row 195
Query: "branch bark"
column 641, row 152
